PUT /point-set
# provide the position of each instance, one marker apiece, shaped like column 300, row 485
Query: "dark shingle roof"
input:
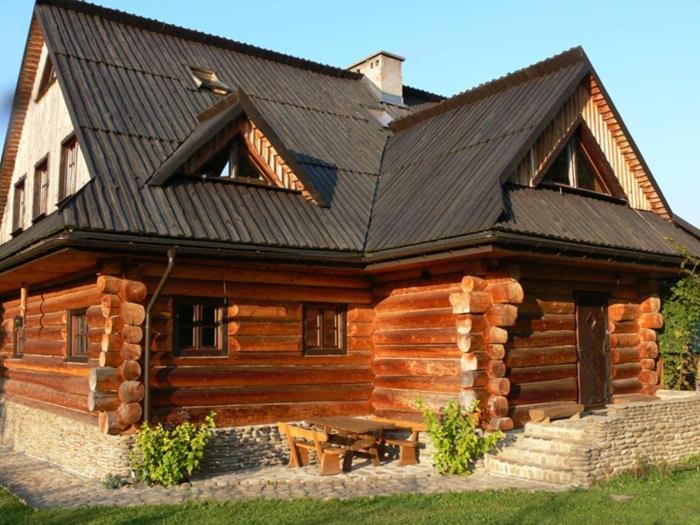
column 130, row 90
column 573, row 217
column 441, row 176
column 435, row 173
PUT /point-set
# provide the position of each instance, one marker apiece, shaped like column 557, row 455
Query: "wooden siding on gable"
column 46, row 124
column 588, row 105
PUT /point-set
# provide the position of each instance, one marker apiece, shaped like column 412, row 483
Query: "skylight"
column 206, row 79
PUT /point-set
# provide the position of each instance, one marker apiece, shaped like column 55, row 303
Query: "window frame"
column 342, row 321
column 578, row 143
column 37, row 212
column 63, row 190
column 19, row 205
column 71, row 355
column 221, row 304
column 48, row 77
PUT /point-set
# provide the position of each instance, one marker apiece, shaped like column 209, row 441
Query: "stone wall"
column 235, row 448
column 75, row 445
column 80, row 447
column 647, row 432
column 622, row 437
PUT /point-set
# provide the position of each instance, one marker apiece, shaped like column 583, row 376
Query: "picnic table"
column 334, row 437
column 360, row 437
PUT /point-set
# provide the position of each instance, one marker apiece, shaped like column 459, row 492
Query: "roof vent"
column 383, row 69
column 206, row 79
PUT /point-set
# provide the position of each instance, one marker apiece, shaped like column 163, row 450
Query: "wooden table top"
column 353, row 425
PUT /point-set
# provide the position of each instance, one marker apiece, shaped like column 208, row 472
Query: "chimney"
column 383, row 69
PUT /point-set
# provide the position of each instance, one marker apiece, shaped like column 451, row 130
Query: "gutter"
column 374, row 261
column 147, row 337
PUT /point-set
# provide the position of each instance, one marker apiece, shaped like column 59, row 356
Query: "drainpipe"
column 147, row 350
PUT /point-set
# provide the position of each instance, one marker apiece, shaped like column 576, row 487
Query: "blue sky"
column 646, row 53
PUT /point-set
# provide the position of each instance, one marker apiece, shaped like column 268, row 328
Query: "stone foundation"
column 235, row 448
column 80, row 447
column 75, row 445
column 648, row 432
column 607, row 442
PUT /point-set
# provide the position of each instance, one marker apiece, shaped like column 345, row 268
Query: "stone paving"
column 42, row 484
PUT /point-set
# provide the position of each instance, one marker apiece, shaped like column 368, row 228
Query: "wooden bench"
column 408, row 448
column 546, row 412
column 301, row 440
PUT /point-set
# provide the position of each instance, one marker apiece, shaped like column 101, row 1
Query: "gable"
column 589, row 107
column 40, row 128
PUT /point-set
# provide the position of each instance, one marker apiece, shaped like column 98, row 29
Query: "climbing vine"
column 680, row 339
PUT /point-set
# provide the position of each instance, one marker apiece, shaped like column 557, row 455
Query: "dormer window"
column 234, row 162
column 206, row 79
column 48, row 77
column 574, row 167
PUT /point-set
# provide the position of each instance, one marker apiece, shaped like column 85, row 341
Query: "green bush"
column 457, row 438
column 680, row 340
column 169, row 456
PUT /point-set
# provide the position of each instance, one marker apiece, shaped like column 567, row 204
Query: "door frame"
column 605, row 299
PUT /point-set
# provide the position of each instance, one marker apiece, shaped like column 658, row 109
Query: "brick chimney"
column 383, row 69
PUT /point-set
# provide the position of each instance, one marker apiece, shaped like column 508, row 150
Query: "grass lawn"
column 672, row 498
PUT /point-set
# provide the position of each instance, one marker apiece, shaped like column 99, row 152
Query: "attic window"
column 234, row 162
column 574, row 167
column 206, row 79
column 48, row 77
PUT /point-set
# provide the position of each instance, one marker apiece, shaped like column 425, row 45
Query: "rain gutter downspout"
column 147, row 338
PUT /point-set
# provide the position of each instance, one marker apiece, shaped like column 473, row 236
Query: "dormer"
column 585, row 146
column 232, row 143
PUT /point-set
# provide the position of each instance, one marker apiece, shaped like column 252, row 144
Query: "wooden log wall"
column 486, row 306
column 264, row 376
column 43, row 376
column 116, row 384
column 415, row 341
column 542, row 354
column 634, row 351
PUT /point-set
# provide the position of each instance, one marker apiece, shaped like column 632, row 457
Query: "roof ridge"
column 485, row 89
column 151, row 24
column 429, row 95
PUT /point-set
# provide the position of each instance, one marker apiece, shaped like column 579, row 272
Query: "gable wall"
column 584, row 107
column 46, row 125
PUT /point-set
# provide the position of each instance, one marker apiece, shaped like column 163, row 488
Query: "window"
column 206, row 79
column 48, row 77
column 68, row 177
column 234, row 163
column 18, row 207
column 77, row 335
column 200, row 326
column 41, row 189
column 18, row 337
column 324, row 329
column 574, row 167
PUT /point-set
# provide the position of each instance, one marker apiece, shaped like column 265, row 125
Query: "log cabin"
column 190, row 223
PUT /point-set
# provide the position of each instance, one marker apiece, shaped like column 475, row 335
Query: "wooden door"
column 593, row 349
